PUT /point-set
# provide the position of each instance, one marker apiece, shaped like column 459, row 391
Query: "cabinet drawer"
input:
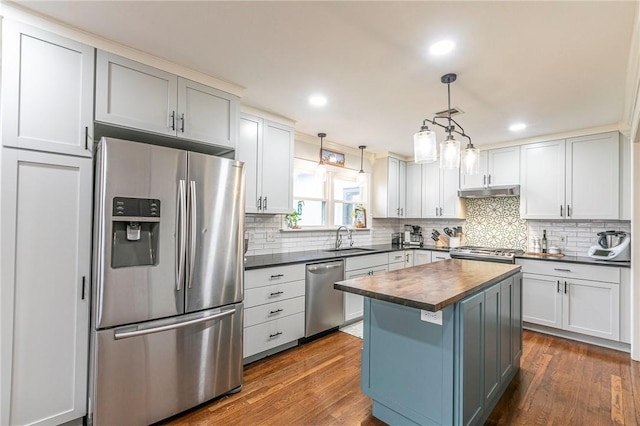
column 268, row 335
column 273, row 293
column 280, row 274
column 272, row 311
column 571, row 270
column 396, row 256
column 368, row 261
column 438, row 255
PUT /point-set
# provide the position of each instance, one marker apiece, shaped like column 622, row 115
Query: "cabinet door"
column 408, row 254
column 542, row 300
column 421, row 257
column 135, row 95
column 593, row 177
column 506, row 326
column 47, row 91
column 402, row 188
column 478, row 180
column 471, row 344
column 277, row 165
column 503, row 166
column 450, row 202
column 542, row 180
column 592, row 307
column 413, row 200
column 393, row 196
column 46, row 245
column 492, row 341
column 431, row 190
column 516, row 318
column 354, row 303
column 206, row 114
column 248, row 151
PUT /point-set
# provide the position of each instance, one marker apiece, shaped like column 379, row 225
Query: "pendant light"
column 424, row 141
column 362, row 176
column 321, row 170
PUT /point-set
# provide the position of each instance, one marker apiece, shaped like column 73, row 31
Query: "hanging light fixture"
column 321, row 170
column 424, row 141
column 362, row 176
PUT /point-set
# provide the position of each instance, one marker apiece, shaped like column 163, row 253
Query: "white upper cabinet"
column 138, row 96
column 574, row 179
column 47, row 91
column 414, row 191
column 440, row 192
column 266, row 148
column 498, row 167
column 389, row 187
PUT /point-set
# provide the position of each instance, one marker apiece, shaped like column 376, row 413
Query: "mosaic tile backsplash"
column 495, row 222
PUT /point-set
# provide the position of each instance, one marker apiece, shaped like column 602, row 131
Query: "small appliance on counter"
column 413, row 235
column 613, row 246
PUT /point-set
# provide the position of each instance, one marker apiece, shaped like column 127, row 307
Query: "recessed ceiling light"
column 318, row 100
column 442, row 47
column 517, row 127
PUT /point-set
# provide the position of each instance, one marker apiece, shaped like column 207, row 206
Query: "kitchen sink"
column 348, row 249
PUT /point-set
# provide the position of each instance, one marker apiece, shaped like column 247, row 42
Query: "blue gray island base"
column 422, row 373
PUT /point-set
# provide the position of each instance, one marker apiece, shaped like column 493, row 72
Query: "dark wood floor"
column 561, row 382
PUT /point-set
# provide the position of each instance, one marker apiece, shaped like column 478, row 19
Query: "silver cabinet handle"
column 440, row 211
column 182, row 118
column 182, row 232
column 565, row 287
column 276, row 293
column 259, row 203
column 558, row 286
column 192, row 235
column 489, row 179
column 484, row 180
column 142, row 332
column 561, row 210
column 562, row 270
column 436, row 211
column 568, row 210
column 438, row 257
column 407, row 258
column 86, row 138
column 271, row 336
column 277, row 311
column 273, row 277
column 173, row 120
column 84, row 283
column 265, row 203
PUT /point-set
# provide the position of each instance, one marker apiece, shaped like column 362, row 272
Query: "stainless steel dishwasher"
column 324, row 304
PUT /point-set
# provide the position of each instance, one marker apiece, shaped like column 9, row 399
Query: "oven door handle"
column 145, row 331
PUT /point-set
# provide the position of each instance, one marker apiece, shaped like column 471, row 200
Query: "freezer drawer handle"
column 277, row 293
column 127, row 334
column 271, row 336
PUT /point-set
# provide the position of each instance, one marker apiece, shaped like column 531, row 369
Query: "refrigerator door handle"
column 182, row 230
column 142, row 332
column 193, row 207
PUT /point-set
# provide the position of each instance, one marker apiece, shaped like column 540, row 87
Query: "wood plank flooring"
column 561, row 382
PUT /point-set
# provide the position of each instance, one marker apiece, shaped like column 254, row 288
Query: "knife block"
column 443, row 241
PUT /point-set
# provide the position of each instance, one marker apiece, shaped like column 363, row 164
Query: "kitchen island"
column 442, row 341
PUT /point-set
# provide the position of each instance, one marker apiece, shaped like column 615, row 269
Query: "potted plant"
column 292, row 219
column 359, row 215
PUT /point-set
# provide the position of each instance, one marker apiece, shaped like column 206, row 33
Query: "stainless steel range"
column 488, row 254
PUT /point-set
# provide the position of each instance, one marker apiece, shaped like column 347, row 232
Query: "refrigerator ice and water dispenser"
column 136, row 222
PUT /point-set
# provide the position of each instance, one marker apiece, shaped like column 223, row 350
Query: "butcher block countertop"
column 432, row 286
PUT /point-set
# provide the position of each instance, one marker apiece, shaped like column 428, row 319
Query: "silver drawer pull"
column 273, row 277
column 277, row 293
column 562, row 270
column 271, row 336
column 275, row 312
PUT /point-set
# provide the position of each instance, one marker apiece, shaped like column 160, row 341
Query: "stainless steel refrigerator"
column 168, row 281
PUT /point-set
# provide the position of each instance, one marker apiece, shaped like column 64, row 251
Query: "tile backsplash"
column 491, row 222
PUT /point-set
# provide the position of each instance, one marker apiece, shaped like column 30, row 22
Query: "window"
column 329, row 202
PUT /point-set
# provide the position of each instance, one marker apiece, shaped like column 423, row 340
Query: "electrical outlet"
column 563, row 239
column 271, row 236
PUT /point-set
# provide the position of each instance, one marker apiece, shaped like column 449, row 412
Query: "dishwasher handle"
column 324, row 267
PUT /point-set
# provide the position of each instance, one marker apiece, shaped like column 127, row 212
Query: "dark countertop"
column 432, row 286
column 268, row 260
column 576, row 259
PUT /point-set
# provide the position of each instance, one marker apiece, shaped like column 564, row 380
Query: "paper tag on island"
column 432, row 317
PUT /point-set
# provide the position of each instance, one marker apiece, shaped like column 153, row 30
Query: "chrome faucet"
column 339, row 237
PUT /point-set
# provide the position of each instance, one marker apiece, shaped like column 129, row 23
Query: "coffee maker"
column 413, row 235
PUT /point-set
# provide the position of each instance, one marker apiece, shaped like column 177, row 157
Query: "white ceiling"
column 557, row 66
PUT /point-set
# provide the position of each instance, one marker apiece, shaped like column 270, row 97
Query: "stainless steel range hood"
column 494, row 191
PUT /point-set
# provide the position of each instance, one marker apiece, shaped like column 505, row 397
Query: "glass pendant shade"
column 471, row 161
column 450, row 153
column 362, row 177
column 321, row 172
column 425, row 147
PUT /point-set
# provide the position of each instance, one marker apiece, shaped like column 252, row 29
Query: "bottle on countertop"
column 544, row 241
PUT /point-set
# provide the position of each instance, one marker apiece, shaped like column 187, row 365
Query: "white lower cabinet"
column 578, row 298
column 437, row 256
column 44, row 296
column 400, row 259
column 421, row 257
column 274, row 308
column 356, row 267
